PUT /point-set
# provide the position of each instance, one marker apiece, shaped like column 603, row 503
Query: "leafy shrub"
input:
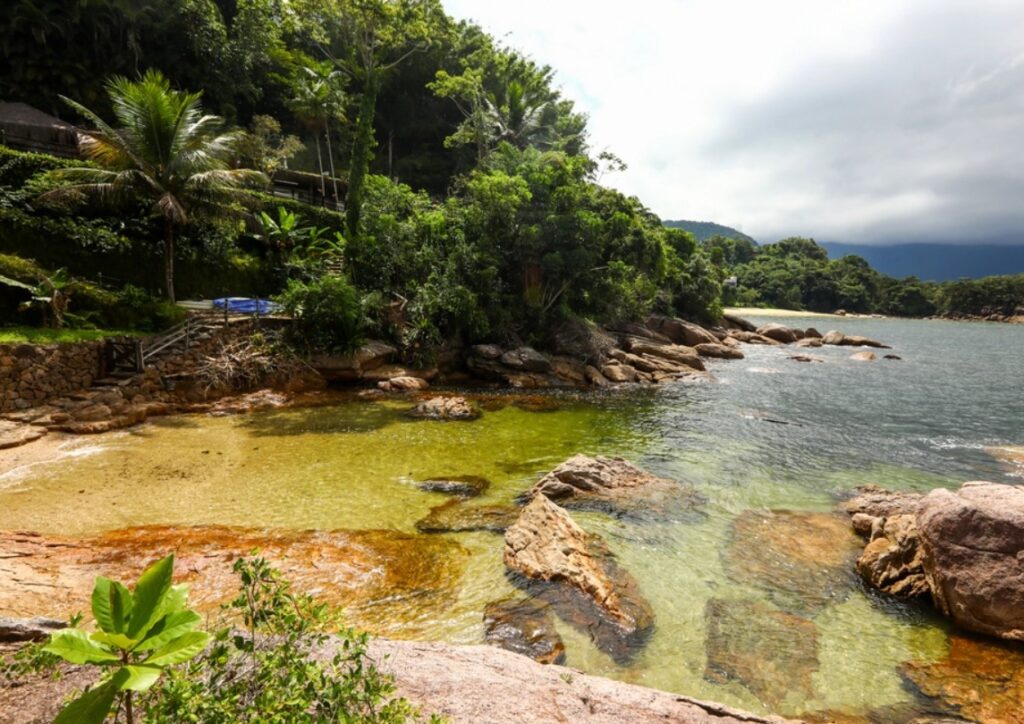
column 141, row 633
column 17, row 167
column 270, row 673
column 328, row 313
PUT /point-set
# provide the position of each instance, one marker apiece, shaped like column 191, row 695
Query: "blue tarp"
column 246, row 305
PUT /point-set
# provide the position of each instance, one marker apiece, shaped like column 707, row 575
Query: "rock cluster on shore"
column 964, row 548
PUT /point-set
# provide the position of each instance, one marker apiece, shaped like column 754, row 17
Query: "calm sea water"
column 770, row 434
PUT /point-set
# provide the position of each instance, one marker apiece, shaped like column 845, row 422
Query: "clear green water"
column 914, row 424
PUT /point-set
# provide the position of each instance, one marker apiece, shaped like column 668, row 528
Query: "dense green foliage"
column 704, row 230
column 141, row 633
column 796, row 273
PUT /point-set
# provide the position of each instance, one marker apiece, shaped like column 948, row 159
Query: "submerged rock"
column 616, row 486
column 383, row 579
column 525, row 627
column 980, row 680
column 770, row 652
column 464, row 486
column 575, row 572
column 802, row 561
column 863, row 356
column 458, row 517
column 444, row 408
column 1011, row 456
column 973, row 546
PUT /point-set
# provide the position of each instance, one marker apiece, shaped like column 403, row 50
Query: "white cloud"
column 858, row 120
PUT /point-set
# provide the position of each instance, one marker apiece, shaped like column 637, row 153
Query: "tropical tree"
column 166, row 152
column 317, row 98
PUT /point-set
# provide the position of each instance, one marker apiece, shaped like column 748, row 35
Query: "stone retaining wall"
column 31, row 374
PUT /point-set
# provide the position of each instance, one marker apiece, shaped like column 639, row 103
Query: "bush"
column 328, row 313
column 17, row 167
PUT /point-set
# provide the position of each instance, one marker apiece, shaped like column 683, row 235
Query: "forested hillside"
column 467, row 206
column 704, row 230
column 937, row 262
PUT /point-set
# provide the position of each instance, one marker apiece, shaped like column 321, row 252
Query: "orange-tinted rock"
column 381, row 578
column 802, row 561
column 980, row 679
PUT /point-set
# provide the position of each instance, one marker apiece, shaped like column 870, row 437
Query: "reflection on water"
column 792, row 440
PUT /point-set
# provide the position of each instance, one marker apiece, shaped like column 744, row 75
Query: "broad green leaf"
column 74, row 645
column 148, row 596
column 176, row 598
column 139, row 678
column 91, row 707
column 167, row 629
column 116, row 640
column 181, row 649
column 15, row 283
column 102, row 607
column 121, row 601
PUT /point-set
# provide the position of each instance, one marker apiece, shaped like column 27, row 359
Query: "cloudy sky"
column 875, row 121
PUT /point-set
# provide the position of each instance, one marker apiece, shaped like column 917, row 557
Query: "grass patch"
column 45, row 335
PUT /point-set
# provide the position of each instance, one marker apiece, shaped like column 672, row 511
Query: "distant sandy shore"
column 758, row 312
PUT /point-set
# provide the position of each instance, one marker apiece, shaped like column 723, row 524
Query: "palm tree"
column 166, row 153
column 318, row 98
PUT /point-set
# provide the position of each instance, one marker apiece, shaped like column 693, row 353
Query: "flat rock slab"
column 525, row 627
column 555, row 559
column 802, row 561
column 381, row 578
column 770, row 652
column 485, row 685
column 16, row 434
column 458, row 517
column 616, row 486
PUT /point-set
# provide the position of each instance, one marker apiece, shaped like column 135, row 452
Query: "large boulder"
column 779, row 333
column 615, row 486
column 731, row 321
column 973, row 548
column 352, row 366
column 575, row 572
column 681, row 332
column 718, row 351
column 525, row 359
column 677, row 353
column 892, row 561
column 526, row 627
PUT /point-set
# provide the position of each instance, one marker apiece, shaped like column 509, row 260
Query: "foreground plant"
column 142, row 632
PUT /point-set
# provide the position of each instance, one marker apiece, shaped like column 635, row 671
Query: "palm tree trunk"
column 169, row 259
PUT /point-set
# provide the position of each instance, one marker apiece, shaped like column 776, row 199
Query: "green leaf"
column 176, row 598
column 167, row 629
column 91, row 707
column 121, row 603
column 116, row 640
column 148, row 596
column 75, row 646
column 139, row 677
column 102, row 609
column 181, row 649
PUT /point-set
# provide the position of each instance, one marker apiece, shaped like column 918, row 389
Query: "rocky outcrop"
column 801, row 561
column 719, row 351
column 458, row 517
column 351, row 367
column 892, row 560
column 681, row 331
column 615, row 486
column 734, row 322
column 381, row 578
column 809, row 342
column 678, row 353
column 444, row 408
column 17, row 630
column 573, row 571
column 768, row 651
column 972, row 542
column 779, row 333
column 525, row 627
column 462, row 486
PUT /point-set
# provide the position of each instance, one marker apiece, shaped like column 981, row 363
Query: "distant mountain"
column 703, row 230
column 936, row 262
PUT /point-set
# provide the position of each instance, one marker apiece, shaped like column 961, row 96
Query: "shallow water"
column 772, row 433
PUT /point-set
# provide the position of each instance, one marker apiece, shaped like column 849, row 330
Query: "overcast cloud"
column 863, row 121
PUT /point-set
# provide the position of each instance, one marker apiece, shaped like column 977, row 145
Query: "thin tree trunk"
column 330, row 156
column 362, row 153
column 169, row 259
column 320, row 163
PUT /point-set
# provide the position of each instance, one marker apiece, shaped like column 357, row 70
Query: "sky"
column 868, row 121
